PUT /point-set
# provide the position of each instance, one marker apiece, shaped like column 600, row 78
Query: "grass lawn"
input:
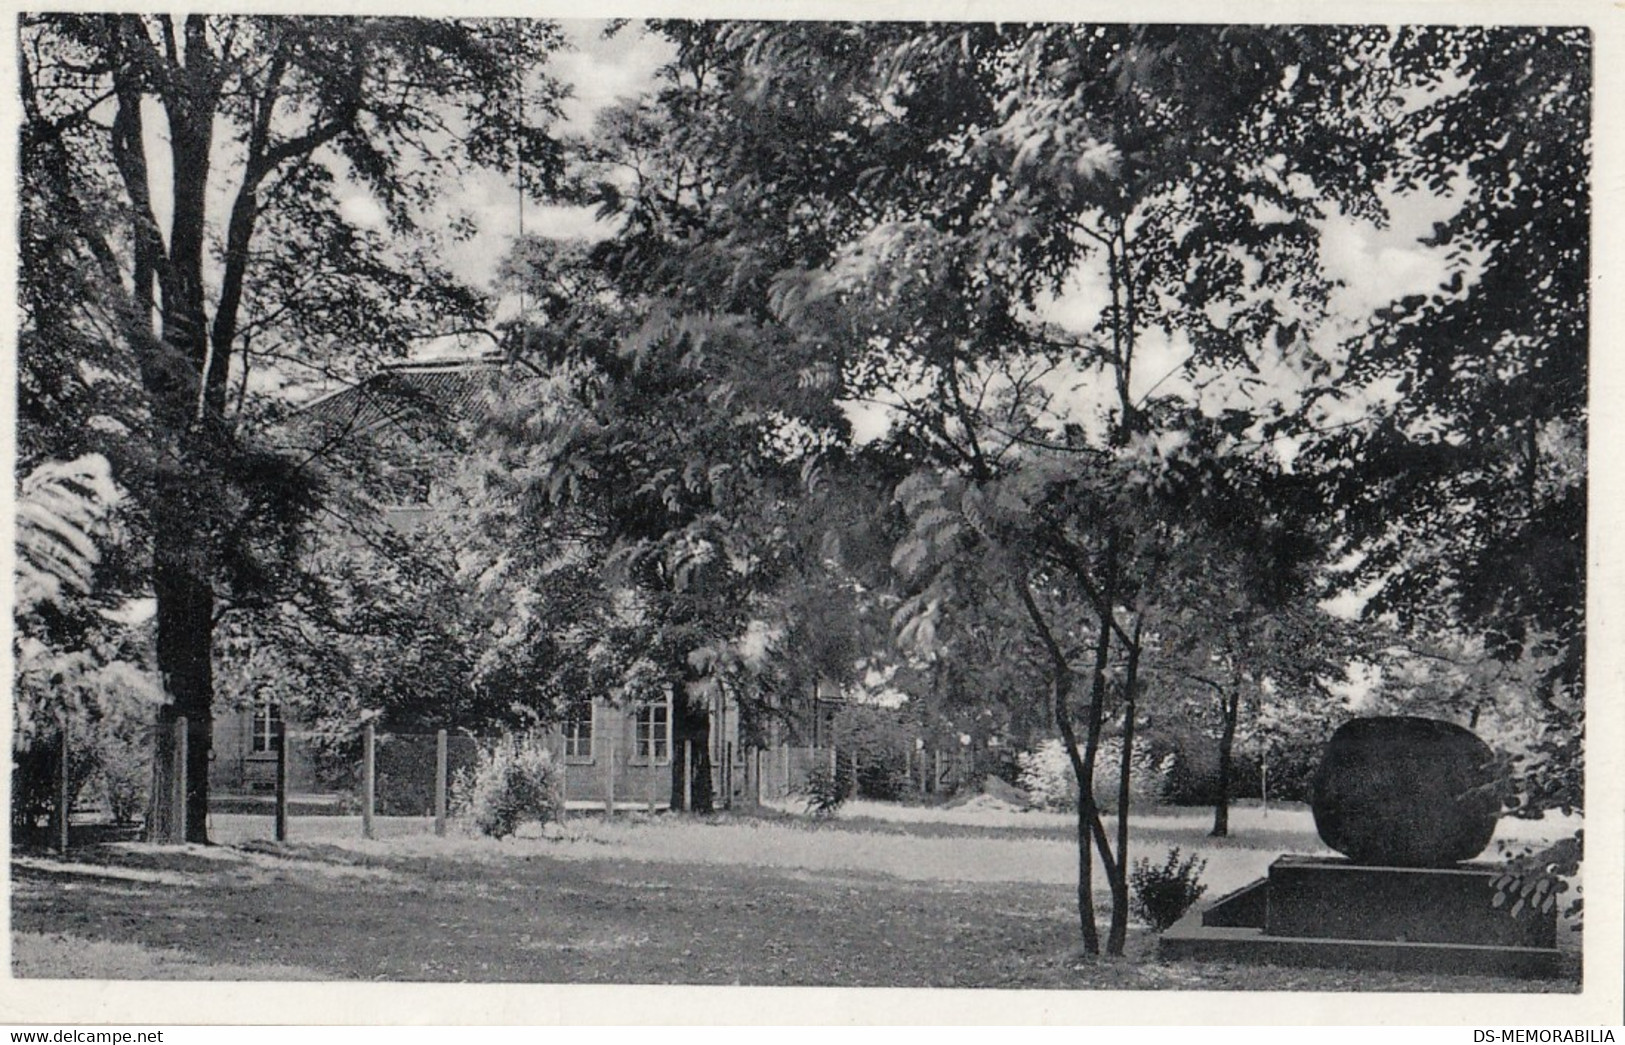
column 878, row 897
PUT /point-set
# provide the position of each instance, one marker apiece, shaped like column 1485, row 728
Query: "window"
column 653, row 733
column 578, row 730
column 267, row 717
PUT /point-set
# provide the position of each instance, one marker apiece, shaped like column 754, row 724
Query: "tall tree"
column 1463, row 497
column 1222, row 650
column 136, row 127
column 881, row 212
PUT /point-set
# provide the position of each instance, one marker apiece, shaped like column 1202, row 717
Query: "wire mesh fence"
column 416, row 779
column 271, row 782
column 364, row 783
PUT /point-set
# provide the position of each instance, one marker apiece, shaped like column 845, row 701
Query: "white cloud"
column 602, row 71
column 1380, row 265
column 358, row 207
column 869, row 421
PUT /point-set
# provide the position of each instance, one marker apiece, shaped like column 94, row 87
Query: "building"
column 611, row 754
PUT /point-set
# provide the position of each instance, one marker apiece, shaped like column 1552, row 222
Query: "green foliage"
column 825, row 791
column 1463, row 497
column 1162, row 894
column 34, row 781
column 60, row 506
column 80, row 675
column 513, row 783
column 277, row 121
column 1534, row 882
column 109, row 755
column 1047, row 776
column 124, row 771
column 875, row 744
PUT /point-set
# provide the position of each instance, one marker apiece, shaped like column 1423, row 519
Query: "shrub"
column 124, row 767
column 115, row 763
column 1046, row 775
column 825, row 791
column 34, row 781
column 514, row 782
column 1163, row 894
column 873, row 745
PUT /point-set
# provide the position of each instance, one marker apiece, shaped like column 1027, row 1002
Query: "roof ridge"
column 431, row 366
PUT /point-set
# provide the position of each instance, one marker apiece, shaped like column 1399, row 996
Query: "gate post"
column 688, row 776
column 281, row 781
column 609, row 779
column 440, row 782
column 63, row 806
column 369, row 780
column 177, row 795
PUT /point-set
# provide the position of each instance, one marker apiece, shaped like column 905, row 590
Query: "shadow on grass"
column 534, row 918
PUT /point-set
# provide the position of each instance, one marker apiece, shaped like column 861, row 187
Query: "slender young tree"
column 822, row 214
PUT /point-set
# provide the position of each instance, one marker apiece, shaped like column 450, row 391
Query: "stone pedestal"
column 1330, row 911
column 1334, row 899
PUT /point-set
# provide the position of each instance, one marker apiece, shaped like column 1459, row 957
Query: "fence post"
column 177, row 794
column 369, row 780
column 688, row 776
column 440, row 782
column 727, row 774
column 609, row 778
column 936, row 769
column 654, row 774
column 784, row 756
column 63, row 804
column 281, row 781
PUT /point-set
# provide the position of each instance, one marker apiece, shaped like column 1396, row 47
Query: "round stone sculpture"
column 1406, row 792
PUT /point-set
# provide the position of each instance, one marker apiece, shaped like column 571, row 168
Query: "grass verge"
column 666, row 900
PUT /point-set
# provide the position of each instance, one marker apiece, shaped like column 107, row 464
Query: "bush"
column 124, row 768
column 1163, row 894
column 515, row 781
column 825, row 791
column 33, row 782
column 1046, row 775
column 873, row 746
column 116, row 761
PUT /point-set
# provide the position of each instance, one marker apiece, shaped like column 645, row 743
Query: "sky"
column 1374, row 266
column 600, row 72
column 1371, row 267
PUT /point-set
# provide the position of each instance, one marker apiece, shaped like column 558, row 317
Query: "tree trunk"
column 1088, row 816
column 183, row 380
column 1117, row 935
column 1086, row 875
column 161, row 828
column 1228, row 706
column 185, row 615
column 1084, row 768
column 691, row 724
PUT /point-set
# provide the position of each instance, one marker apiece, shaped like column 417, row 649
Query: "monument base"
column 1328, row 911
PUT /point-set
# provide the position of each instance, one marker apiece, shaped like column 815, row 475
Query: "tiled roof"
column 407, row 392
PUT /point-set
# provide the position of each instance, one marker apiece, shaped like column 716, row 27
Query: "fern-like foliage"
column 60, row 505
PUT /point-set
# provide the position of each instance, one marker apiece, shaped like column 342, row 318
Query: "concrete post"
column 281, row 740
column 369, row 779
column 63, row 806
column 440, row 782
